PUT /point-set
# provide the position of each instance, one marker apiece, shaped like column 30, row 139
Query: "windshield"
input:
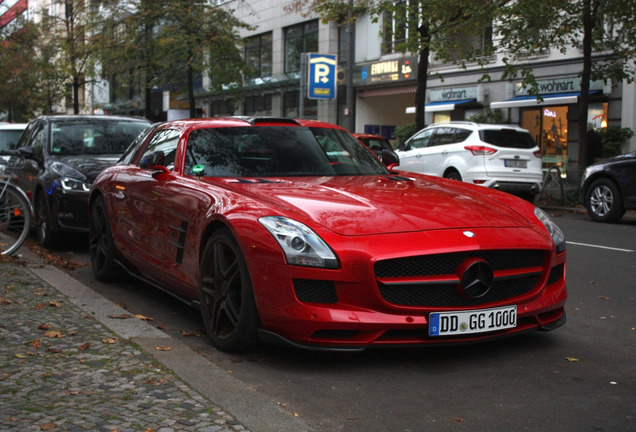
column 9, row 139
column 93, row 136
column 277, row 151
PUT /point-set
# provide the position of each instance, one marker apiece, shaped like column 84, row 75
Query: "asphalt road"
column 581, row 377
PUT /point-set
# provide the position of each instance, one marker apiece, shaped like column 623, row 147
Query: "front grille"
column 315, row 291
column 522, row 264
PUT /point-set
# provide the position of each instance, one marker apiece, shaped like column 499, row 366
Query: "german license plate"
column 515, row 163
column 474, row 321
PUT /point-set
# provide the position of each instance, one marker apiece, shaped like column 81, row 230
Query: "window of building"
column 258, row 105
column 258, row 56
column 291, row 104
column 301, row 38
column 399, row 26
column 222, row 107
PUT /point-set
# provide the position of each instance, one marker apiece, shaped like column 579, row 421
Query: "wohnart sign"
column 558, row 85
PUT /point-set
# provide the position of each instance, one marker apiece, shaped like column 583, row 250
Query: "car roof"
column 71, row 117
column 243, row 121
column 370, row 136
column 13, row 126
column 474, row 125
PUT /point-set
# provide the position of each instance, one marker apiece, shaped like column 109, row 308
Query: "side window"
column 164, row 141
column 461, row 135
column 422, row 140
column 443, row 135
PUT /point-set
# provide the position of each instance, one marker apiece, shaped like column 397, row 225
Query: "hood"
column 379, row 204
column 89, row 165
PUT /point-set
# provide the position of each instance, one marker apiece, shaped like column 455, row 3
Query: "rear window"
column 507, row 138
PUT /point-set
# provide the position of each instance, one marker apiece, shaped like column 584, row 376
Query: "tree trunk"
column 588, row 26
column 191, row 101
column 76, row 86
column 422, row 77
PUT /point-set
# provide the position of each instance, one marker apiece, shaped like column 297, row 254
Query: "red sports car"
column 291, row 231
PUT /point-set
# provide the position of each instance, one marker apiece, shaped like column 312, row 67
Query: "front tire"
column 45, row 234
column 228, row 308
column 100, row 243
column 603, row 201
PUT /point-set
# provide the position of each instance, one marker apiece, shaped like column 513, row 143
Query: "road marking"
column 601, row 247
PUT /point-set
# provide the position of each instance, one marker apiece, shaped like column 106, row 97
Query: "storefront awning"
column 548, row 99
column 445, row 105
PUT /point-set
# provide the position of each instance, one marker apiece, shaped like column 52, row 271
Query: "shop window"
column 258, row 56
column 301, row 38
column 549, row 128
column 441, row 117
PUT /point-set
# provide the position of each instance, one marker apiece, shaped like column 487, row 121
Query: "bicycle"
column 15, row 216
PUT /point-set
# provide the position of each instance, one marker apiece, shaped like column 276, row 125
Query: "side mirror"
column 26, row 152
column 389, row 157
column 152, row 160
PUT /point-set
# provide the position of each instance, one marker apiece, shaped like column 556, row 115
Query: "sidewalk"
column 72, row 361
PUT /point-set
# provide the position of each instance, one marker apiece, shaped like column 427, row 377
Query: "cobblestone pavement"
column 61, row 370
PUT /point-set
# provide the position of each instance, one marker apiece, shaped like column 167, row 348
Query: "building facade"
column 385, row 83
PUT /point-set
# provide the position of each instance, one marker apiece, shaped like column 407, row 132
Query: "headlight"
column 73, row 185
column 553, row 229
column 302, row 246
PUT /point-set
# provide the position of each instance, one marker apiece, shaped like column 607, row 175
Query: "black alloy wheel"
column 227, row 302
column 100, row 243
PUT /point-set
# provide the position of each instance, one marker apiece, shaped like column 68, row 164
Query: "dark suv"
column 57, row 160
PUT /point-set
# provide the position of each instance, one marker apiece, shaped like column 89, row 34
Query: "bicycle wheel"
column 15, row 219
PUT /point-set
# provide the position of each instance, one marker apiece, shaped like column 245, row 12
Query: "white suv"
column 498, row 156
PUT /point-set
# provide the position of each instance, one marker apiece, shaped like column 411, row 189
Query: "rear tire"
column 452, row 175
column 228, row 308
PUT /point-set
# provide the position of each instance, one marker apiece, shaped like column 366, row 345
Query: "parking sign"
column 322, row 76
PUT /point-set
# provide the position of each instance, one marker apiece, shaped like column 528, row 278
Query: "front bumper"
column 351, row 309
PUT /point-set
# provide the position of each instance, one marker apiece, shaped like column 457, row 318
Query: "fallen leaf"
column 5, row 301
column 606, row 298
column 84, row 346
column 572, row 359
column 122, row 316
column 195, row 333
column 54, row 334
column 73, row 392
column 141, row 317
column 39, row 306
column 162, row 348
column 109, row 341
column 44, row 326
column 55, row 303
column 457, row 420
column 20, row 356
column 32, row 354
column 48, row 426
column 34, row 343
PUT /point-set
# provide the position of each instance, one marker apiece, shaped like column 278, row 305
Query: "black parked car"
column 57, row 160
column 609, row 188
